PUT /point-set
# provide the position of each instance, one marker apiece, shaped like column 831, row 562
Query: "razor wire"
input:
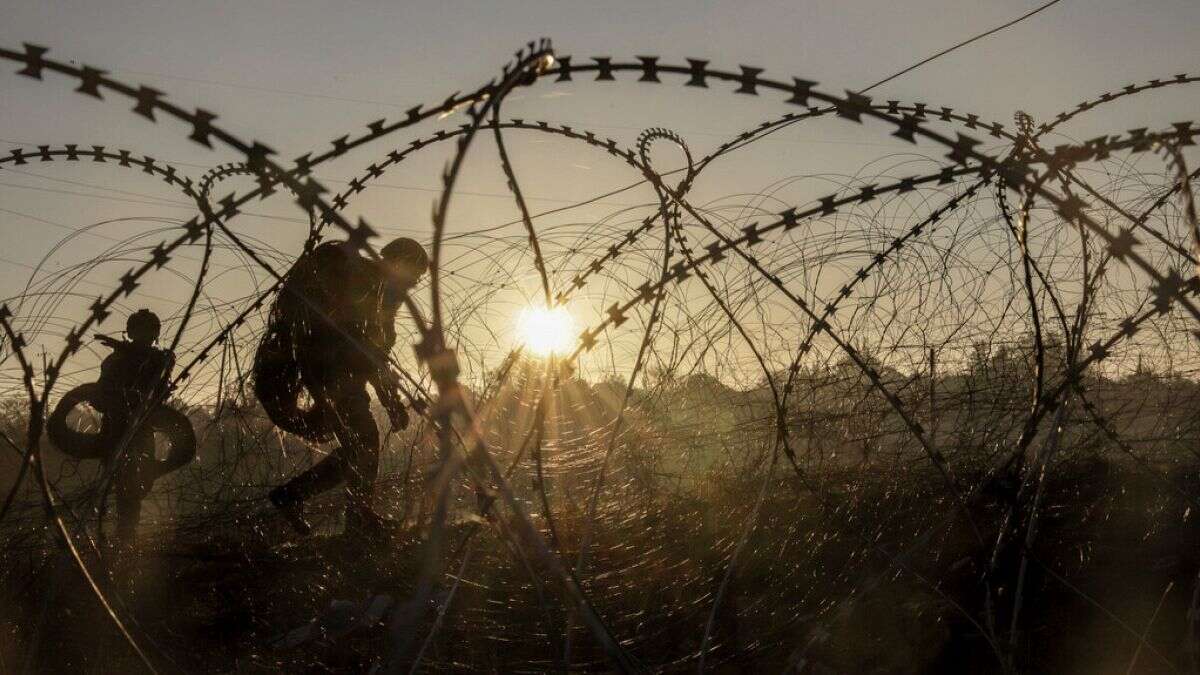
column 585, row 480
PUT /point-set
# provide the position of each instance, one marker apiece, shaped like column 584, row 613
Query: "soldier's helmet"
column 407, row 258
column 143, row 326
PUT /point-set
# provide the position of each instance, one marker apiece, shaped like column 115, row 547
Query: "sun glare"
column 545, row 331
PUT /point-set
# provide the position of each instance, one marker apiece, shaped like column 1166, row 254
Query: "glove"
column 397, row 415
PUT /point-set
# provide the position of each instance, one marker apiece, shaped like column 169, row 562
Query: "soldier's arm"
column 163, row 383
column 387, row 388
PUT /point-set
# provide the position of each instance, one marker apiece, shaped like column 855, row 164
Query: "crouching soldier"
column 329, row 334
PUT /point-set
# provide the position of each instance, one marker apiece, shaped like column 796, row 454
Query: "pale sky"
column 296, row 75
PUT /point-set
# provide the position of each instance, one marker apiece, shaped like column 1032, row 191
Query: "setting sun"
column 546, row 331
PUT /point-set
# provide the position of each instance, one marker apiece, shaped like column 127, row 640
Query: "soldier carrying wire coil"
column 129, row 395
column 329, row 334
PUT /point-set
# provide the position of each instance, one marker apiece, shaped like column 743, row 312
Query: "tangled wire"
column 844, row 423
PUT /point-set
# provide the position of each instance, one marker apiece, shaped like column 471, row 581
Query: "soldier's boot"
column 291, row 509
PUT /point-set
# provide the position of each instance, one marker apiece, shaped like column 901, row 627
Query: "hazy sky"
column 413, row 51
column 296, row 75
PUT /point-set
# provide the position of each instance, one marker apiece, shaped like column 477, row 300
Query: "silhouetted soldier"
column 134, row 381
column 330, row 332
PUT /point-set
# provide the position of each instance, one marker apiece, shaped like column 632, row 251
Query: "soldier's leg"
column 355, row 460
column 322, row 476
column 133, row 482
column 129, row 509
column 112, row 429
column 358, row 435
column 330, row 471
